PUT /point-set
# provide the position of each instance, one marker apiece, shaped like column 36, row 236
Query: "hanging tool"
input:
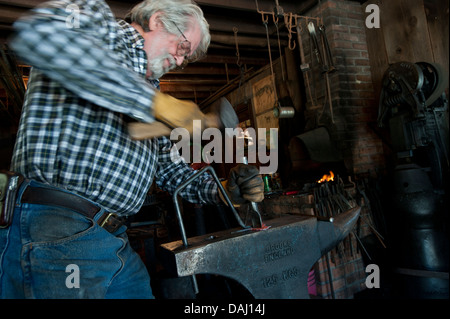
column 281, row 111
column 265, row 22
column 278, row 110
column 304, row 66
column 278, row 10
column 275, row 21
column 316, row 48
column 326, row 68
column 329, row 65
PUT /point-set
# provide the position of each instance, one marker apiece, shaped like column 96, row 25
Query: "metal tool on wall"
column 304, row 66
column 324, row 59
column 278, row 110
column 291, row 21
column 329, row 64
column 316, row 48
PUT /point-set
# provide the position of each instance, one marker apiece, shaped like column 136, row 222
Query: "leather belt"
column 53, row 197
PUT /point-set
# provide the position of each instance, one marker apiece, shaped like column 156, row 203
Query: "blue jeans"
column 54, row 252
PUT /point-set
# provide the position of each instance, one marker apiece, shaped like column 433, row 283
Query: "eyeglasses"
column 183, row 47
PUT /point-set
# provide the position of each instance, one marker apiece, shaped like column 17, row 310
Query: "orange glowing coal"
column 326, row 178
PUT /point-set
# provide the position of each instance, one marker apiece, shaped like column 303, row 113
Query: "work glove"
column 171, row 113
column 244, row 184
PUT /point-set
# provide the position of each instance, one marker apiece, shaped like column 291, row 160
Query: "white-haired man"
column 91, row 75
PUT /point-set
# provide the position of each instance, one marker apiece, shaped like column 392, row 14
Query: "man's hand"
column 179, row 113
column 171, row 113
column 244, row 184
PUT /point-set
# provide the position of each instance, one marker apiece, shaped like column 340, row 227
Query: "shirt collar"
column 132, row 37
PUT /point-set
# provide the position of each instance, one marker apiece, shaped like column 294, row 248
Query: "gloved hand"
column 244, row 184
column 171, row 113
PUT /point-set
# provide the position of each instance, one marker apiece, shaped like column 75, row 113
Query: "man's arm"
column 173, row 170
column 71, row 43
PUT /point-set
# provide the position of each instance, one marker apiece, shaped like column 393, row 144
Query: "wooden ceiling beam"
column 264, row 5
column 198, row 68
column 232, row 58
column 246, row 40
column 197, row 96
column 190, row 87
column 10, row 14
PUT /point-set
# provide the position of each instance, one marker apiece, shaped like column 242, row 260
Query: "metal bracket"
column 222, row 190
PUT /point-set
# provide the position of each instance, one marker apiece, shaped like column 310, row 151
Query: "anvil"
column 271, row 264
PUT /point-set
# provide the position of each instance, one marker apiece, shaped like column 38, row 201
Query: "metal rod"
column 187, row 182
column 330, row 275
column 361, row 244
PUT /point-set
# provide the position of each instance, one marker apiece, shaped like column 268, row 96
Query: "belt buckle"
column 111, row 223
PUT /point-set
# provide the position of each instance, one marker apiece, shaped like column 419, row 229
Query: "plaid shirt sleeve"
column 172, row 170
column 71, row 43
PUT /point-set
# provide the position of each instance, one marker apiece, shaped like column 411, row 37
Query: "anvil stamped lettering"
column 277, row 251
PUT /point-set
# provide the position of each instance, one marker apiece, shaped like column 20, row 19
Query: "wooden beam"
column 246, row 40
column 198, row 68
column 10, row 14
column 22, row 3
column 186, row 87
column 197, row 96
column 249, row 5
column 171, row 77
column 232, row 58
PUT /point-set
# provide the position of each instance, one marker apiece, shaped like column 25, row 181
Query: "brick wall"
column 354, row 106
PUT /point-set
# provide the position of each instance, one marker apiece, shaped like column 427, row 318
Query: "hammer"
column 221, row 110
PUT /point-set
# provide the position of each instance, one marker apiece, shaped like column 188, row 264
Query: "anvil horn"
column 332, row 233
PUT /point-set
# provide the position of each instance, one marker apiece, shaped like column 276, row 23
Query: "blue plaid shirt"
column 87, row 81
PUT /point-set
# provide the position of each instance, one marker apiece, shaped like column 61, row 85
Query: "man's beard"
column 156, row 65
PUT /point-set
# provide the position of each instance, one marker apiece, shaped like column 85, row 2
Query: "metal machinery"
column 414, row 107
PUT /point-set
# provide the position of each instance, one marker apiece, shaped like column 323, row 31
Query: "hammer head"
column 225, row 111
